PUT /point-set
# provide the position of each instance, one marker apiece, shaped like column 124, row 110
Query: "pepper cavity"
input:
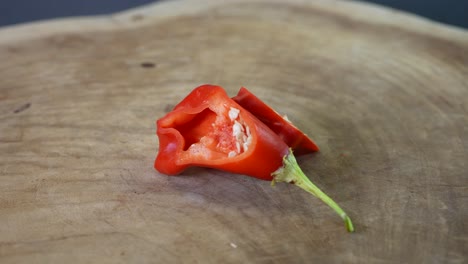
column 228, row 136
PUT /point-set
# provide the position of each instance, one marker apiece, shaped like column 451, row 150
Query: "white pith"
column 233, row 113
column 241, row 133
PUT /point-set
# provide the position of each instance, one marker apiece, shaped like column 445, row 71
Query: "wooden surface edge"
column 385, row 102
column 152, row 12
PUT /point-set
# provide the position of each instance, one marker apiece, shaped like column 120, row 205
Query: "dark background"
column 453, row 12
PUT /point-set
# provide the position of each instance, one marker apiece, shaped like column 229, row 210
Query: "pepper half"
column 209, row 129
column 290, row 134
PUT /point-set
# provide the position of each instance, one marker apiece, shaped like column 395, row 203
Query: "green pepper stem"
column 292, row 173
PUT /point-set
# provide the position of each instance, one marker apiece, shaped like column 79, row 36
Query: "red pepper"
column 209, row 129
column 290, row 134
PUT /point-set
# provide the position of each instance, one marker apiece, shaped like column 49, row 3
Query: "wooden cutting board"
column 384, row 94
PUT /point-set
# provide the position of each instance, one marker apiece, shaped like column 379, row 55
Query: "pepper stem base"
column 292, row 173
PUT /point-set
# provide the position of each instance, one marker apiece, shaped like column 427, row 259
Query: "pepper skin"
column 290, row 134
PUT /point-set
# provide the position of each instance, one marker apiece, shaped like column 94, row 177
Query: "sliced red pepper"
column 200, row 132
column 209, row 129
column 294, row 138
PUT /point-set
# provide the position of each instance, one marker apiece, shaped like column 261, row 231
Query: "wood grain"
column 384, row 94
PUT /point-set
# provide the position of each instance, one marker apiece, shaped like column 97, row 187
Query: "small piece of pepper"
column 209, row 129
column 290, row 134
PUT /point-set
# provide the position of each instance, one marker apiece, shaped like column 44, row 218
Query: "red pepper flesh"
column 209, row 129
column 294, row 138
